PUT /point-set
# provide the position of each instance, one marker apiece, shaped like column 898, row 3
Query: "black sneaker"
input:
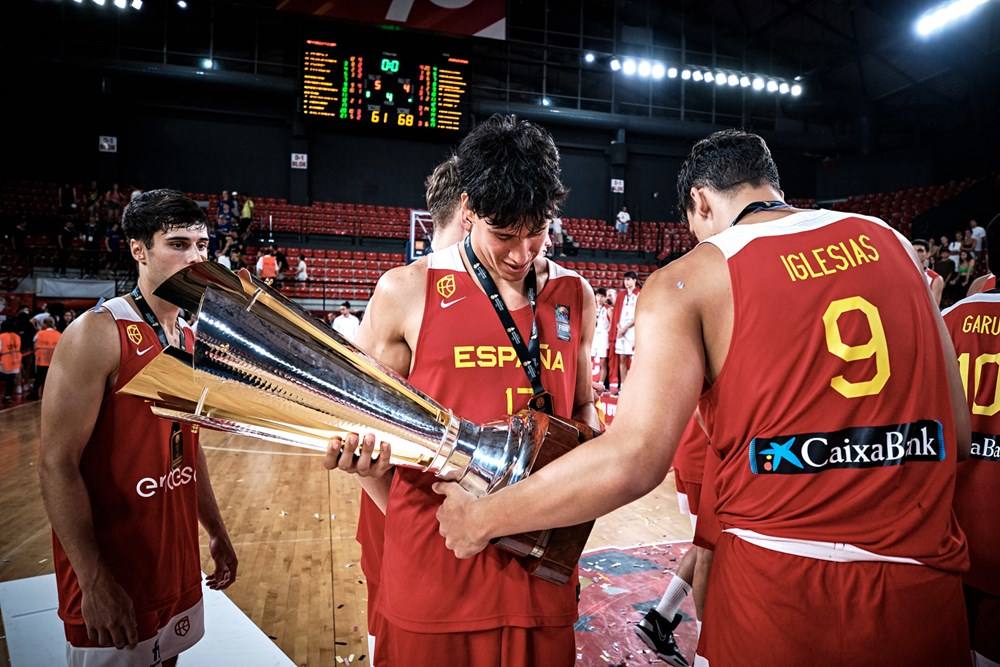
column 661, row 637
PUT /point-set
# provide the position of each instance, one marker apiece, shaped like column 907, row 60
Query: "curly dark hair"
column 510, row 170
column 444, row 192
column 160, row 211
column 724, row 161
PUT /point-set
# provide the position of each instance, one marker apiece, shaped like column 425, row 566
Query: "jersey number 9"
column 876, row 347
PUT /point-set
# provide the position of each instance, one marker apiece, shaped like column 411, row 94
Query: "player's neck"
column 749, row 195
column 166, row 312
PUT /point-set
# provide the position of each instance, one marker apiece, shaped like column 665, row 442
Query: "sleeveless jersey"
column 931, row 275
column 974, row 325
column 465, row 360
column 831, row 414
column 991, row 283
column 45, row 345
column 140, row 473
column 689, row 461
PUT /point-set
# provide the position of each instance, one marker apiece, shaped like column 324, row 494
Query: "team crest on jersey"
column 134, row 333
column 182, row 627
column 856, row 447
column 446, row 286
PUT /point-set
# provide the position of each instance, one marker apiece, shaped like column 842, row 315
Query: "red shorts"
column 769, row 608
column 984, row 622
column 692, row 490
column 500, row 647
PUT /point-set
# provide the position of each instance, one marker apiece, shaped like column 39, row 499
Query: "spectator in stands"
column 67, row 319
column 963, row 275
column 301, row 271
column 267, row 266
column 67, row 199
column 246, row 214
column 39, row 317
column 556, row 234
column 968, row 244
column 18, row 237
column 955, row 246
column 934, row 281
column 443, row 195
column 65, row 241
column 113, row 245
column 45, row 344
column 945, row 266
column 222, row 258
column 282, row 262
column 331, row 318
column 224, row 198
column 622, row 221
column 347, row 324
column 92, row 198
column 624, row 316
column 236, row 260
column 978, row 235
column 91, row 237
column 114, row 202
column 10, row 358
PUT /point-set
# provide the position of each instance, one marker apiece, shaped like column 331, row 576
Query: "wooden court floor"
column 293, row 526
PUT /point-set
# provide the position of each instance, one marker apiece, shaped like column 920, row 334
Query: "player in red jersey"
column 974, row 325
column 444, row 201
column 983, row 284
column 934, row 280
column 487, row 610
column 835, row 478
column 123, row 489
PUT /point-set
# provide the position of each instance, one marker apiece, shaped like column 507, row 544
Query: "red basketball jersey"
column 990, row 283
column 974, row 325
column 831, row 414
column 689, row 461
column 465, row 360
column 140, row 474
column 931, row 275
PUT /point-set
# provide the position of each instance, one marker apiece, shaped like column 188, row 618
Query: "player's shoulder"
column 91, row 341
column 981, row 301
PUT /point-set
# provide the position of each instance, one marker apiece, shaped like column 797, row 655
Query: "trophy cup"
column 263, row 367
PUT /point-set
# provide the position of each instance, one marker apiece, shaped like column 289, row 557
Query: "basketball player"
column 125, row 490
column 624, row 318
column 934, row 280
column 973, row 325
column 983, row 284
column 599, row 348
column 443, row 195
column 486, row 611
column 835, row 479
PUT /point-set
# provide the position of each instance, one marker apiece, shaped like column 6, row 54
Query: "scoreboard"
column 425, row 94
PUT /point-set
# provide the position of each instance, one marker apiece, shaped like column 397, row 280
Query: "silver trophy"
column 263, row 367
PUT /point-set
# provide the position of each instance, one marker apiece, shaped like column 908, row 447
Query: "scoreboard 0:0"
column 424, row 94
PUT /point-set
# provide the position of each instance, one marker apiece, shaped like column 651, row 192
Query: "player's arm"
column 583, row 401
column 937, row 289
column 382, row 335
column 86, row 357
column 977, row 285
column 631, row 457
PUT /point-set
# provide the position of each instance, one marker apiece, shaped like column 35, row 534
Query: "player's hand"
column 340, row 455
column 108, row 612
column 462, row 532
column 224, row 555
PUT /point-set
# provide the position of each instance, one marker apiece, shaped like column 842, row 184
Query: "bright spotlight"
column 783, row 88
column 733, row 80
column 615, row 64
column 944, row 15
column 744, row 81
column 99, row 2
column 629, row 67
column 709, row 77
column 659, row 71
column 206, row 63
column 589, row 57
column 672, row 72
column 772, row 86
column 720, row 79
column 137, row 4
column 546, row 102
column 121, row 4
column 796, row 90
column 182, row 4
column 758, row 83
column 78, row 1
column 644, row 68
column 686, row 74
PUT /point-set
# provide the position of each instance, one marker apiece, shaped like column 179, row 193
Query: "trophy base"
column 552, row 554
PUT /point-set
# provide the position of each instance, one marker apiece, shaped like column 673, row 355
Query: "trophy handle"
column 552, row 554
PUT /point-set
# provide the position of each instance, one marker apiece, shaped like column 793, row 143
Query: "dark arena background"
column 309, row 127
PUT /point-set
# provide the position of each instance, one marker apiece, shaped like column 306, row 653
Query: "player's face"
column 171, row 251
column 506, row 253
column 630, row 284
column 921, row 254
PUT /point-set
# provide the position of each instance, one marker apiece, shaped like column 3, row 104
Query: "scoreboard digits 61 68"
column 384, row 88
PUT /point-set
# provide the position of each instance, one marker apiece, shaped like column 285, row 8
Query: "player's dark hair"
column 601, row 291
column 510, row 170
column 160, row 211
column 631, row 274
column 725, row 161
column 444, row 192
column 993, row 245
column 920, row 243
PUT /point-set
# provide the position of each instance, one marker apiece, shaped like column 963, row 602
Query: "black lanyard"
column 529, row 355
column 150, row 317
column 755, row 206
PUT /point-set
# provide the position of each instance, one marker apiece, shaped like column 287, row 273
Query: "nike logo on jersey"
column 142, row 352
column 449, row 304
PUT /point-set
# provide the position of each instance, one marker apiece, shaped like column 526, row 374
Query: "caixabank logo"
column 986, row 447
column 855, row 447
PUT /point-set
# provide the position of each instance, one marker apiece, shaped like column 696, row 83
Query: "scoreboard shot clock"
column 421, row 94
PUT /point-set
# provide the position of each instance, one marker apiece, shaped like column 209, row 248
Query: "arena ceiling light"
column 796, row 90
column 744, row 81
column 733, row 80
column 772, row 86
column 136, row 4
column 629, row 66
column 697, row 76
column 686, row 74
column 645, row 68
column 546, row 102
column 758, row 83
column 589, row 57
column 615, row 64
column 99, row 3
column 659, row 71
column 709, row 77
column 207, row 63
column 121, row 4
column 944, row 15
column 182, row 4
column 720, row 79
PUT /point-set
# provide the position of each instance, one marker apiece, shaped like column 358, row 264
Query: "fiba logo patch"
column 446, row 286
column 134, row 334
column 182, row 627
